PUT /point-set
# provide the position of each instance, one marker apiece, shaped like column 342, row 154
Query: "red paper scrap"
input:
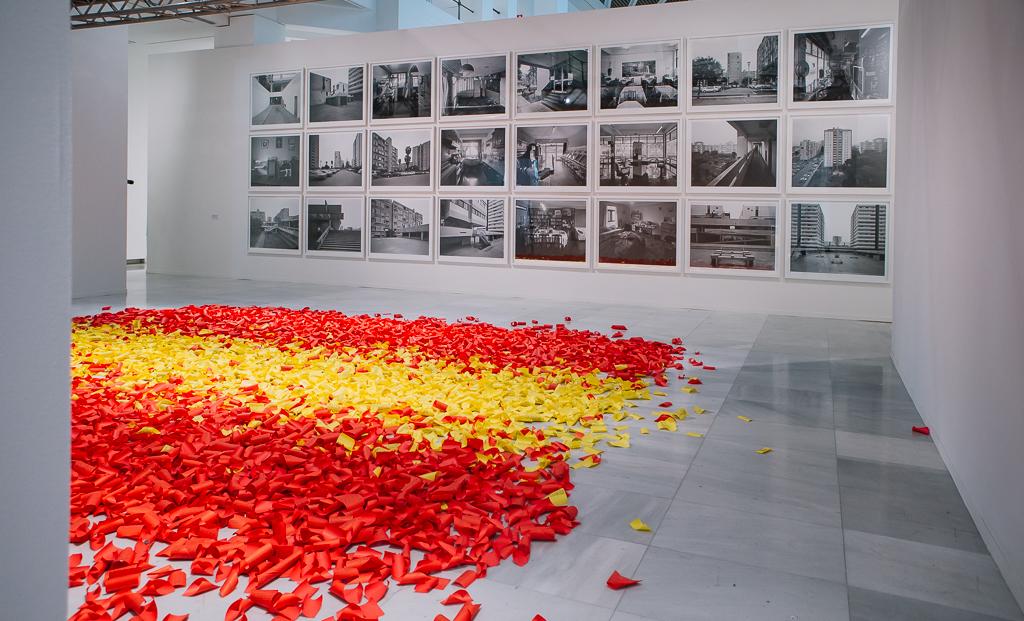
column 617, row 581
column 922, row 430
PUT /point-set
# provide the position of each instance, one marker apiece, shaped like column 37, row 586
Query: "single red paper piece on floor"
column 922, row 430
column 617, row 581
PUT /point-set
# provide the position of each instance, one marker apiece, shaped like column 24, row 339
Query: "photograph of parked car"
column 640, row 77
column 401, row 157
column 738, row 72
column 335, row 160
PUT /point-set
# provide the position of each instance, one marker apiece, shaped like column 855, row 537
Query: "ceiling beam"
column 99, row 13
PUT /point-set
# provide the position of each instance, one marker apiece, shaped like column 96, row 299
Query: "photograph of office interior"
column 842, row 151
column 733, row 153
column 735, row 71
column 275, row 98
column 400, row 227
column 733, row 236
column 837, row 239
column 635, row 77
column 842, row 65
column 551, row 230
column 274, row 161
column 335, row 160
column 334, row 226
column 471, row 229
column 474, row 86
column 637, row 232
column 274, row 224
column 473, row 157
column 402, row 90
column 551, row 156
column 400, row 157
column 639, row 154
column 554, row 81
column 336, row 94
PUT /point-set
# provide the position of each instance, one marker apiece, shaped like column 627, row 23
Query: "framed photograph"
column 274, row 161
column 334, row 226
column 738, row 72
column 552, row 156
column 552, row 232
column 402, row 91
column 733, row 154
column 838, row 240
column 552, row 82
column 400, row 228
column 472, row 230
column 641, row 155
column 336, row 96
column 275, row 100
column 473, row 158
column 474, row 87
column 733, row 237
column 336, row 161
column 401, row 158
column 848, row 66
column 275, row 224
column 638, row 234
column 639, row 77
column 840, row 154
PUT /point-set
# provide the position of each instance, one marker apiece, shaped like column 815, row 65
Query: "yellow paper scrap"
column 430, row 476
column 698, row 409
column 669, row 424
column 689, row 390
column 745, row 419
column 644, row 431
column 639, row 525
column 660, row 393
column 559, row 498
column 622, row 441
column 347, row 441
column 762, row 451
column 586, row 462
column 694, row 434
column 377, row 471
column 152, row 431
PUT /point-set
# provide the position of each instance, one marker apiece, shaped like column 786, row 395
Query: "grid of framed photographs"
column 778, row 163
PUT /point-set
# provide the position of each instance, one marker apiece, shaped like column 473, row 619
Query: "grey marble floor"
column 851, row 517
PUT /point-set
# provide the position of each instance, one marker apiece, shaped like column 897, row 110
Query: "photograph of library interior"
column 639, row 154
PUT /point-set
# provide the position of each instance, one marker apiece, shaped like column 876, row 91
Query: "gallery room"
column 516, row 310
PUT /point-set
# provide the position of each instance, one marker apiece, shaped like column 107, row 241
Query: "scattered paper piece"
column 695, row 434
column 689, row 390
column 639, row 525
column 764, row 450
column 559, row 498
column 617, row 581
column 698, row 409
column 922, row 430
column 644, row 431
column 745, row 419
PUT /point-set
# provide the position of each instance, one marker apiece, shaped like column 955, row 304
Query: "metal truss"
column 97, row 13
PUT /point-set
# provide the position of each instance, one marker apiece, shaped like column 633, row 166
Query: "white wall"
column 958, row 332
column 199, row 226
column 35, row 278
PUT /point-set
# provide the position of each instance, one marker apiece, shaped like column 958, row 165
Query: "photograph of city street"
column 400, row 227
column 275, row 98
column 639, row 154
column 402, row 90
column 336, row 160
column 641, row 76
column 551, row 230
column 637, row 233
column 845, row 240
column 551, row 156
column 474, row 86
column 733, row 236
column 552, row 81
column 735, row 71
column 472, row 229
column 842, row 65
column 336, row 94
column 848, row 151
column 473, row 157
column 274, row 223
column 334, row 226
column 274, row 161
column 400, row 157
column 726, row 153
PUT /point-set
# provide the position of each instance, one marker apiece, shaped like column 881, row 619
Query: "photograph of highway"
column 733, row 235
column 474, row 86
column 842, row 65
column 734, row 71
column 402, row 90
column 336, row 160
column 637, row 232
column 274, row 223
column 400, row 227
column 473, row 157
column 726, row 153
column 641, row 76
column 336, row 94
column 472, row 228
column 400, row 157
column 838, row 238
column 275, row 98
column 274, row 161
column 848, row 151
column 334, row 225
column 551, row 230
column 639, row 154
column 552, row 81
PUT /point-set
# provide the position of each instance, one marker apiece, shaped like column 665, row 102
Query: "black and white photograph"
column 739, row 71
column 334, row 226
column 400, row 227
column 402, row 90
column 850, row 65
column 639, row 154
column 551, row 230
column 474, row 86
column 737, row 237
column 842, row 152
column 400, row 157
column 640, row 76
column 555, row 81
column 335, row 160
column 274, row 224
column 336, row 95
column 471, row 230
column 473, row 157
column 838, row 240
column 274, row 161
column 637, row 233
column 276, row 99
column 551, row 156
column 732, row 154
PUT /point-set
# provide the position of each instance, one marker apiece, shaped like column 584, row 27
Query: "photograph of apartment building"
column 842, row 151
column 400, row 157
column 838, row 240
column 737, row 237
column 334, row 226
column 472, row 230
column 728, row 153
column 274, row 224
column 335, row 160
column 400, row 228
column 336, row 95
column 735, row 72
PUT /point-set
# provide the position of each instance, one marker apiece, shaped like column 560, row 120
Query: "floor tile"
column 808, row 466
column 889, row 450
column 760, row 433
column 608, row 512
column 772, row 413
column 630, row 471
column 868, row 605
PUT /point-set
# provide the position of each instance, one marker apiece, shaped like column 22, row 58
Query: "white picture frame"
column 333, row 73
column 271, row 164
column 641, row 124
column 552, row 160
column 752, row 126
column 801, row 61
column 722, row 105
column 444, row 252
column 519, row 113
column 333, row 241
column 412, row 137
column 336, row 173
column 270, row 100
column 400, row 246
column 520, row 258
column 842, row 210
column 643, row 230
column 443, row 113
column 406, row 66
column 272, row 234
column 724, row 270
column 463, row 171
column 629, row 95
column 862, row 128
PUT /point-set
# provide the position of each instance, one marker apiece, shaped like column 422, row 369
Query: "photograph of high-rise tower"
column 735, row 71
column 336, row 159
column 848, row 151
column 336, row 94
column 838, row 238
